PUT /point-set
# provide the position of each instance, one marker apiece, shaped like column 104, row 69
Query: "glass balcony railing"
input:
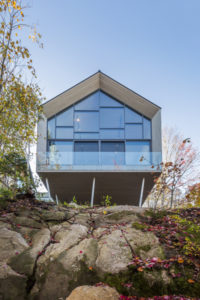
column 99, row 161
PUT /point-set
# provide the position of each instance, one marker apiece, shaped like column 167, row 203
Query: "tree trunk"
column 172, row 198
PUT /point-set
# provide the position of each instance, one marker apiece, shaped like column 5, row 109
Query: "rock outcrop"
column 48, row 251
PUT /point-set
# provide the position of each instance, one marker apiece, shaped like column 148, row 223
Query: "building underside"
column 123, row 187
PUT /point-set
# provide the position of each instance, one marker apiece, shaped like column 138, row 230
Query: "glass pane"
column 65, row 118
column 138, row 153
column 86, row 121
column 106, row 100
column 112, row 134
column 112, row 118
column 86, row 153
column 85, row 136
column 133, row 131
column 138, row 146
column 131, row 116
column 112, row 147
column 51, row 128
column 86, row 147
column 64, row 133
column 112, row 153
column 60, row 153
column 90, row 103
column 147, row 128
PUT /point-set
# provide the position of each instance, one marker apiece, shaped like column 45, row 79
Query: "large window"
column 112, row 153
column 99, row 123
column 86, row 153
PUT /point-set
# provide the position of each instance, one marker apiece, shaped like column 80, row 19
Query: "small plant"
column 74, row 200
column 106, row 200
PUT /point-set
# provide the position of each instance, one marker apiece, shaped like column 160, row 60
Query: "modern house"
column 99, row 138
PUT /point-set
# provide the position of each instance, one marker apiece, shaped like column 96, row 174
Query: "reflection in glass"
column 64, row 133
column 86, row 136
column 60, row 153
column 131, row 116
column 86, row 153
column 51, row 128
column 112, row 134
column 147, row 128
column 112, row 153
column 106, row 100
column 65, row 118
column 90, row 103
column 86, row 121
column 112, row 118
column 134, row 131
column 138, row 153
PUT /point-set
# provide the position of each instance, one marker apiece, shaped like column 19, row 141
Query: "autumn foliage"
column 19, row 99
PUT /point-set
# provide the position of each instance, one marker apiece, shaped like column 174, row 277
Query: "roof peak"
column 100, row 81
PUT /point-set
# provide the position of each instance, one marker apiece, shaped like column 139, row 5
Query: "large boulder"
column 24, row 263
column 11, row 244
column 116, row 249
column 68, row 270
column 66, row 237
column 144, row 244
column 12, row 284
column 113, row 253
column 93, row 293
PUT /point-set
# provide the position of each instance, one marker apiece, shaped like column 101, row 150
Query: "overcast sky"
column 151, row 46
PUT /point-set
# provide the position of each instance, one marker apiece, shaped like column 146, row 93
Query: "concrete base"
column 123, row 187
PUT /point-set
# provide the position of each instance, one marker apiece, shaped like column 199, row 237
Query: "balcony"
column 99, row 161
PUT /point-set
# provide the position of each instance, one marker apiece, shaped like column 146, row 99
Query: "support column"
column 141, row 192
column 48, row 189
column 92, row 195
column 57, row 201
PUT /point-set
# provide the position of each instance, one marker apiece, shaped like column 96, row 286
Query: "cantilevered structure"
column 99, row 138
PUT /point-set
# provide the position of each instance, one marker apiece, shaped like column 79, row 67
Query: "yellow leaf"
column 105, row 212
column 19, row 27
column 180, row 260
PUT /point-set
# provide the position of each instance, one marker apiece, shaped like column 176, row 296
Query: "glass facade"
column 99, row 123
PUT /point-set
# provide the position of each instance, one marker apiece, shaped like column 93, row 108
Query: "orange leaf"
column 190, row 281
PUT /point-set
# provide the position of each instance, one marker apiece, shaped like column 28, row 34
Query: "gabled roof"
column 100, row 81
